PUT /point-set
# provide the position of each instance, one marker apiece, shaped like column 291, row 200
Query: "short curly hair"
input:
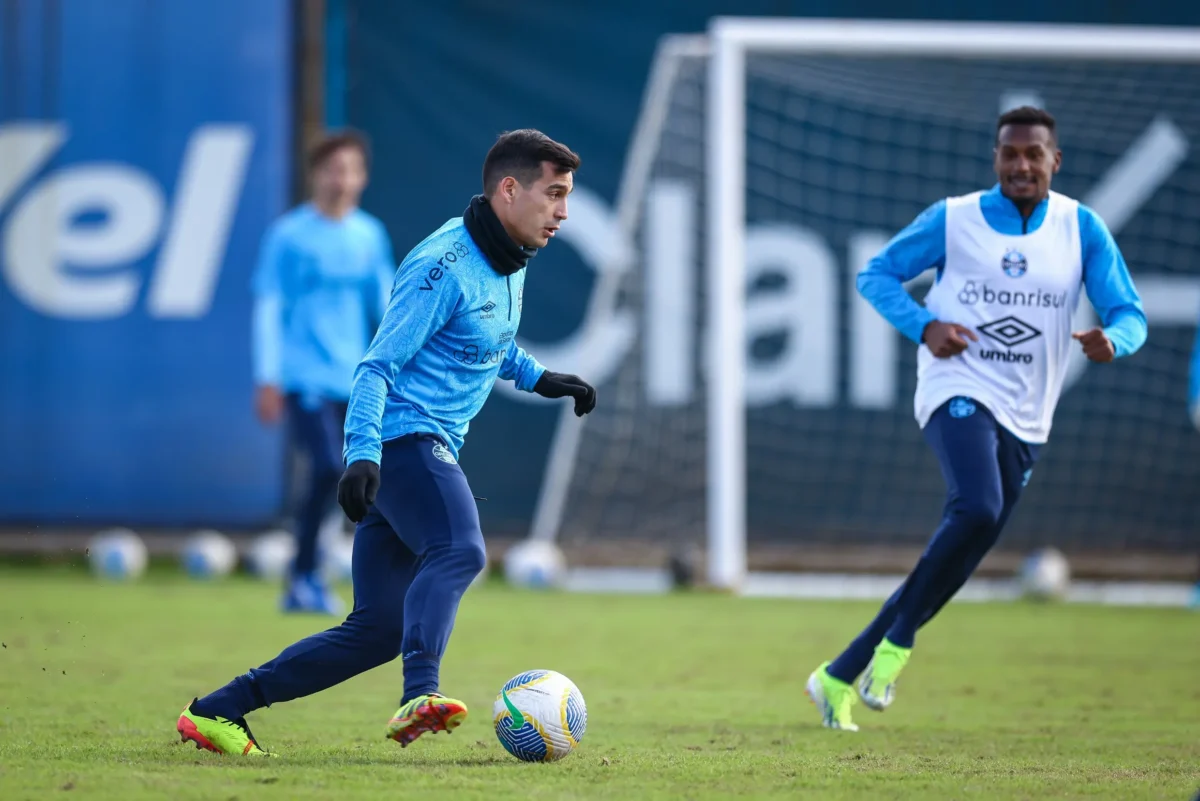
column 1028, row 115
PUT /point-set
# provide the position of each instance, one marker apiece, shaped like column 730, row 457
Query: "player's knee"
column 472, row 558
column 381, row 629
column 979, row 513
column 464, row 560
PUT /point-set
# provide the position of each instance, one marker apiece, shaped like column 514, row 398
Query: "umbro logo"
column 487, row 309
column 1010, row 331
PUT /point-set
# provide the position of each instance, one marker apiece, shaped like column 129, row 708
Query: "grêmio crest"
column 1014, row 264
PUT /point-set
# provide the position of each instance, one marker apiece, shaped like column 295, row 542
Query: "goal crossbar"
column 957, row 39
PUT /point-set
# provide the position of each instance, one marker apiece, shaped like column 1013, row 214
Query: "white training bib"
column 1018, row 293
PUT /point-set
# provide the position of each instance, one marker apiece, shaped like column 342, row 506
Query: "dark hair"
column 334, row 142
column 1028, row 115
column 520, row 154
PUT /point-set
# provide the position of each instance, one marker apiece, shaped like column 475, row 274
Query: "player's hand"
column 357, row 489
column 268, row 404
column 1096, row 345
column 947, row 339
column 562, row 385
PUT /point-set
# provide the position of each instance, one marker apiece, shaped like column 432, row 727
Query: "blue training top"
column 448, row 333
column 321, row 287
column 1194, row 382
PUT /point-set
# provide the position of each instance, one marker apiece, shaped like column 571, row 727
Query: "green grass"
column 689, row 697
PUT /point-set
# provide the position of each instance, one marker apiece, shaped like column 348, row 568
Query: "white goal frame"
column 725, row 46
column 730, row 39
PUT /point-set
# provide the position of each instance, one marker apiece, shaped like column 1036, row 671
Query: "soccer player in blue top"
column 448, row 334
column 320, row 290
column 994, row 336
column 1194, row 411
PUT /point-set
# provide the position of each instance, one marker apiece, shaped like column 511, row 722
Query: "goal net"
column 778, row 157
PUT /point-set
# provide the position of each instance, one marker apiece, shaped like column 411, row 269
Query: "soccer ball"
column 540, row 716
column 535, row 564
column 208, row 554
column 117, row 553
column 1044, row 575
column 271, row 554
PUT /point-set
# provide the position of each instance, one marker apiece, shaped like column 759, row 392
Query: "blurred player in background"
column 1194, row 412
column 322, row 284
column 449, row 333
column 1194, row 383
column 996, row 335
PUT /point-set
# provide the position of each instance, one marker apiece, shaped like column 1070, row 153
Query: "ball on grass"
column 117, row 554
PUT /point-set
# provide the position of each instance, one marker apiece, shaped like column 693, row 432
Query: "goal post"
column 731, row 39
column 764, row 406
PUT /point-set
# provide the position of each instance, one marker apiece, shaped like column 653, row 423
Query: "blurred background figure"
column 1194, row 412
column 322, row 284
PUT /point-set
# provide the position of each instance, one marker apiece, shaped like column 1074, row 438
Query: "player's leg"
column 966, row 444
column 971, row 450
column 316, row 428
column 383, row 567
column 426, row 497
column 1016, row 459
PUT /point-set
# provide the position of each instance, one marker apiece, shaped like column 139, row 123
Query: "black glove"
column 357, row 489
column 561, row 385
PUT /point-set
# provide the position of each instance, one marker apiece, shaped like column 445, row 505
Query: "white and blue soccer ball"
column 208, row 554
column 117, row 554
column 535, row 564
column 540, row 716
column 270, row 555
column 1045, row 575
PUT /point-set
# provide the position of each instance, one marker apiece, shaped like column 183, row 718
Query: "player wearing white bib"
column 995, row 336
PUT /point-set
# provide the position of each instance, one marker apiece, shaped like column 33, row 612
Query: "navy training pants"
column 985, row 468
column 415, row 554
column 315, row 428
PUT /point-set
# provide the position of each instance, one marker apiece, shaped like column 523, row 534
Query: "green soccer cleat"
column 833, row 697
column 877, row 685
column 218, row 734
column 425, row 713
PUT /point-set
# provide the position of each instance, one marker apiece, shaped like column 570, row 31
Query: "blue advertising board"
column 143, row 150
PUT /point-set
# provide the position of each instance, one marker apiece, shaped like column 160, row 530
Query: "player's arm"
column 425, row 297
column 1110, row 289
column 1194, row 383
column 520, row 368
column 919, row 246
column 267, row 326
column 524, row 370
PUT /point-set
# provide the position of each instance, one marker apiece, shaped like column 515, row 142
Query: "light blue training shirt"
column 321, row 287
column 448, row 334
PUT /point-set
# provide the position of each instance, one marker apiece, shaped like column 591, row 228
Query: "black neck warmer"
column 505, row 255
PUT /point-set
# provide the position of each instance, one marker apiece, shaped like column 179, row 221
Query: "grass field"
column 689, row 697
